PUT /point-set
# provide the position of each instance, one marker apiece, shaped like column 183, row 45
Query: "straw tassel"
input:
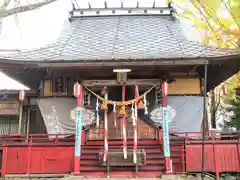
column 122, row 111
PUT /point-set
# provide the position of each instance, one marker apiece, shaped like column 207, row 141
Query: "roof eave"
column 123, row 62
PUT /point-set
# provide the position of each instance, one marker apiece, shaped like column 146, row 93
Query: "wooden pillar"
column 78, row 91
column 28, row 119
column 204, row 115
column 168, row 164
column 20, row 118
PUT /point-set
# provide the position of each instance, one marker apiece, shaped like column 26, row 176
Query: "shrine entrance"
column 144, row 130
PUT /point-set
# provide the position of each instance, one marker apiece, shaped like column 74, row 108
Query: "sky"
column 40, row 27
column 35, row 29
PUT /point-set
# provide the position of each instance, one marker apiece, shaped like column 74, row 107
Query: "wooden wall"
column 182, row 86
column 145, row 131
column 9, row 107
column 185, row 86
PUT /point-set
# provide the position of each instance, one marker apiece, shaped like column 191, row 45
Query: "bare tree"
column 5, row 11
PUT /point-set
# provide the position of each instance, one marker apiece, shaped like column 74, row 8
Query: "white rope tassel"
column 97, row 112
column 125, row 139
column 132, row 109
column 136, row 111
column 114, row 110
column 145, row 104
column 135, row 134
column 135, row 149
column 105, row 139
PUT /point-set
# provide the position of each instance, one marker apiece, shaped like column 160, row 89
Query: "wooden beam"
column 142, row 82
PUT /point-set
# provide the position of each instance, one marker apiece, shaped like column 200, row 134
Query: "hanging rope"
column 124, row 125
column 123, row 103
column 135, row 116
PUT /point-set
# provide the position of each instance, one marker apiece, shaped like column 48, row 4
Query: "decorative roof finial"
column 122, row 4
column 105, row 4
column 137, row 4
column 153, row 4
column 89, row 6
column 73, row 7
column 169, row 4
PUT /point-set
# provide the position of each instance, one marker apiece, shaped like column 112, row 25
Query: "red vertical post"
column 105, row 156
column 29, row 154
column 78, row 92
column 4, row 160
column 166, row 142
column 183, row 155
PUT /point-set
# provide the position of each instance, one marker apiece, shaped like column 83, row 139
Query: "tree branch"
column 207, row 21
column 20, row 9
column 215, row 18
column 5, row 5
column 0, row 25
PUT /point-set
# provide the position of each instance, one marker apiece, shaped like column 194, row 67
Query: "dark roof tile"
column 121, row 37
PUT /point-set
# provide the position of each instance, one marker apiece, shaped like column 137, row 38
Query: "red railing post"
column 29, row 153
column 183, row 155
column 4, row 160
column 56, row 139
column 217, row 170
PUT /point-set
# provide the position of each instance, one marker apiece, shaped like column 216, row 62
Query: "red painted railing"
column 36, row 139
column 221, row 152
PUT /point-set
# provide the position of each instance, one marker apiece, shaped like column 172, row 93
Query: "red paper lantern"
column 76, row 89
column 165, row 88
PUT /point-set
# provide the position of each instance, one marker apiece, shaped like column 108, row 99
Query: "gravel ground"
column 169, row 177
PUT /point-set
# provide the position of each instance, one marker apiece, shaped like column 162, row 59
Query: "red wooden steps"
column 118, row 142
column 121, row 174
column 90, row 166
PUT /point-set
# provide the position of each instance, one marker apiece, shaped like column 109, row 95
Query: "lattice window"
column 60, row 85
column 158, row 94
column 86, row 98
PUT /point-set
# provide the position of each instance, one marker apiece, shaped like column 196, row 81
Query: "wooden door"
column 145, row 131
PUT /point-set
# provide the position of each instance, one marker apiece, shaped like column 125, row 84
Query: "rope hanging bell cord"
column 120, row 103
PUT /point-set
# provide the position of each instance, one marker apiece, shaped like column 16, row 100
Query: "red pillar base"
column 168, row 165
column 76, row 166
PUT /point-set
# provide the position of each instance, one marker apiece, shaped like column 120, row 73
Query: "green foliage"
column 234, row 100
column 217, row 21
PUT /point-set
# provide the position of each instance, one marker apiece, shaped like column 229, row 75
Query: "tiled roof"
column 121, row 37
